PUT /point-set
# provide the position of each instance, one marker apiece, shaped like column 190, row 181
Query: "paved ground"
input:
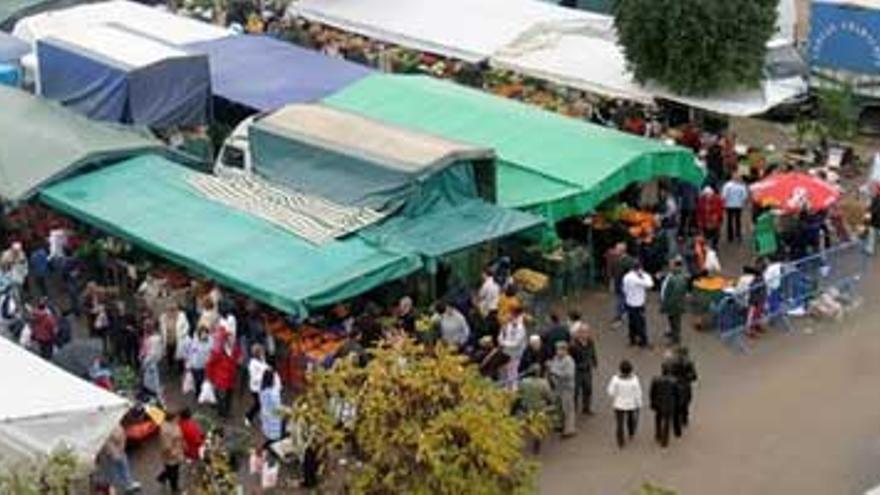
column 799, row 414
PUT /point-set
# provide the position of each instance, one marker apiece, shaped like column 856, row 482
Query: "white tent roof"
column 119, row 45
column 585, row 55
column 469, row 30
column 149, row 21
column 44, row 406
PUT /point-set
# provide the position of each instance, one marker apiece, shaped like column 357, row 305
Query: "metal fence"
column 825, row 283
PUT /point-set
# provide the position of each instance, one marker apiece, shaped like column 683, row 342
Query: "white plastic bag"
column 189, row 383
column 256, row 462
column 269, row 476
column 207, row 394
column 25, row 338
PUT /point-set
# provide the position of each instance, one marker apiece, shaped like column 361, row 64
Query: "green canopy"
column 551, row 164
column 41, row 141
column 149, row 201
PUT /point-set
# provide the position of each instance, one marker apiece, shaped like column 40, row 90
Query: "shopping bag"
column 207, row 394
column 269, row 477
column 24, row 339
column 256, row 462
column 189, row 383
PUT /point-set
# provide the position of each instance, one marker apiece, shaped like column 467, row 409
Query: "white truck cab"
column 235, row 154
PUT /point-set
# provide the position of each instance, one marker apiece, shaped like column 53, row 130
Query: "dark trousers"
column 682, row 412
column 198, row 380
column 712, row 236
column 662, row 421
column 255, row 407
column 734, row 224
column 583, row 392
column 674, row 328
column 224, row 402
column 638, row 333
column 171, row 475
column 40, row 285
column 46, row 349
column 687, row 221
column 627, row 422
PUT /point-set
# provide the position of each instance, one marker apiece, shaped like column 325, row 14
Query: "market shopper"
column 710, row 215
column 44, row 328
column 256, row 368
column 535, row 354
column 635, row 289
column 555, row 332
column 171, row 440
column 664, row 394
column 512, row 341
column 488, row 295
column 271, row 421
column 174, row 328
column 221, row 370
column 120, row 472
column 735, row 195
column 685, row 374
column 452, row 326
column 673, row 293
column 192, row 434
column 197, row 353
column 626, row 394
column 561, row 370
column 618, row 263
column 151, row 354
column 534, row 395
column 583, row 351
column 39, row 270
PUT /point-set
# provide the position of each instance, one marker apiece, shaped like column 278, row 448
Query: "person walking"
column 556, row 332
column 44, row 327
column 174, row 328
column 735, row 195
column 198, row 351
column 673, row 293
column 664, row 402
column 171, row 441
column 562, row 377
column 256, row 368
column 685, row 374
column 710, row 215
column 271, row 422
column 534, row 395
column 512, row 341
column 151, row 353
column 222, row 369
column 626, row 394
column 583, row 351
column 635, row 292
column 452, row 326
column 120, row 471
column 192, row 434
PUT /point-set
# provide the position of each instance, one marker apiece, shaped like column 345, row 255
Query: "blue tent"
column 12, row 48
column 108, row 73
column 264, row 74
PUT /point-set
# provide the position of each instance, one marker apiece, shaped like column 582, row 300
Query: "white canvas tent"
column 148, row 21
column 464, row 29
column 45, row 407
column 585, row 55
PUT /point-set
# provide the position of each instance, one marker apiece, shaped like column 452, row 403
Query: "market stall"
column 45, row 408
column 54, row 142
column 108, row 73
column 264, row 74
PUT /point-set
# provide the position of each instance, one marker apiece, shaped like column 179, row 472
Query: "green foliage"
column 53, row 476
column 652, row 489
column 696, row 47
column 425, row 423
column 838, row 112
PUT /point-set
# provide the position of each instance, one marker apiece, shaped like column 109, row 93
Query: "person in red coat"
column 222, row 371
column 710, row 215
column 193, row 436
column 43, row 329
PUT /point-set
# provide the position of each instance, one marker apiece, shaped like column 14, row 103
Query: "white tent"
column 148, row 21
column 468, row 30
column 585, row 55
column 45, row 407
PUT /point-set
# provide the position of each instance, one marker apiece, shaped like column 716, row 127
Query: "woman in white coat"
column 626, row 393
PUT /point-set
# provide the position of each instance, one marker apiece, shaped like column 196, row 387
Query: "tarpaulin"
column 12, row 48
column 45, row 408
column 548, row 163
column 357, row 161
column 149, row 201
column 265, row 74
column 42, row 141
column 11, row 11
column 845, row 35
column 108, row 73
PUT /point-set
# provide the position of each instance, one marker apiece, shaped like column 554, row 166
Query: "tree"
column 838, row 113
column 54, row 475
column 696, row 47
column 419, row 421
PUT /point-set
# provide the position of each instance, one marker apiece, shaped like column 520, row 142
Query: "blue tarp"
column 264, row 74
column 12, row 48
column 845, row 37
column 174, row 91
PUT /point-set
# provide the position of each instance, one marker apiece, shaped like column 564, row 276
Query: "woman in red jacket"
column 222, row 371
column 193, row 436
column 710, row 214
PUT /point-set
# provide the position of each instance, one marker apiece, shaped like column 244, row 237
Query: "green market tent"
column 41, row 142
column 148, row 200
column 547, row 163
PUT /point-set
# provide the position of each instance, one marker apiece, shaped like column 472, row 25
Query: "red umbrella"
column 790, row 191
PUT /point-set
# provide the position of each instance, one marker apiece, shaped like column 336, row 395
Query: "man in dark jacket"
column 556, row 332
column 673, row 293
column 583, row 350
column 685, row 374
column 664, row 402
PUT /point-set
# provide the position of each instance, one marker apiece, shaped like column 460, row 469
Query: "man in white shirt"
column 635, row 292
column 735, row 195
column 257, row 367
column 487, row 297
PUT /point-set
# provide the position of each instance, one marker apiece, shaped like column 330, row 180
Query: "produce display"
column 531, row 280
column 639, row 223
column 712, row 284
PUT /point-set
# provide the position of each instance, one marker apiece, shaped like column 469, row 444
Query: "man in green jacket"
column 673, row 293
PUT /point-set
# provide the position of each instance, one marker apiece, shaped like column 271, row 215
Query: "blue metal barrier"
column 790, row 291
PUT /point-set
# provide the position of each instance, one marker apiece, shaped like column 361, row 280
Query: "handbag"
column 269, row 474
column 207, row 394
column 189, row 383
